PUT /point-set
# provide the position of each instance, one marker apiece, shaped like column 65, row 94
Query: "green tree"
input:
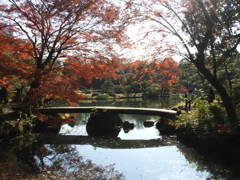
column 190, row 78
column 108, row 86
column 154, row 90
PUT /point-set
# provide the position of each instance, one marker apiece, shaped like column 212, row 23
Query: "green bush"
column 179, row 106
column 202, row 110
column 153, row 90
column 119, row 89
column 17, row 127
column 108, row 86
column 128, row 89
column 204, row 116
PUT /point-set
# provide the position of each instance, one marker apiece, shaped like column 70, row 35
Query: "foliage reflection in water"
column 149, row 157
column 172, row 162
column 38, row 161
column 157, row 161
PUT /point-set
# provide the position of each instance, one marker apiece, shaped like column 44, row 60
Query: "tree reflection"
column 38, row 161
column 218, row 168
column 65, row 161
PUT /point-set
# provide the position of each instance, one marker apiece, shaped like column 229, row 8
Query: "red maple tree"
column 164, row 72
column 16, row 62
column 64, row 41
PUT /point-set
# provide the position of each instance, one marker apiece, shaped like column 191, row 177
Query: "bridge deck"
column 119, row 110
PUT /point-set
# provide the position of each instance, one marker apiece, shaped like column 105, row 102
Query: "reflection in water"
column 218, row 169
column 148, row 162
column 104, row 142
column 65, row 160
column 140, row 154
column 51, row 162
column 171, row 162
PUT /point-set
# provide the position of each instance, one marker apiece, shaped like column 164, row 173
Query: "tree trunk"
column 227, row 100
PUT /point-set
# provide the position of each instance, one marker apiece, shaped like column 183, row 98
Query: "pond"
column 139, row 154
column 150, row 163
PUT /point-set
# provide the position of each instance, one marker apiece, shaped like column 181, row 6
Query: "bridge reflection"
column 111, row 143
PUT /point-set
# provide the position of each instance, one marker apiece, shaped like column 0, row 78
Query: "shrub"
column 107, row 86
column 204, row 116
column 179, row 106
column 119, row 89
column 16, row 127
column 153, row 90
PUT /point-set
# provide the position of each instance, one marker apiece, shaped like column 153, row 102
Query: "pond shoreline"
column 106, row 96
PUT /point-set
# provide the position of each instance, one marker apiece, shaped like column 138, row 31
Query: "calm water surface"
column 141, row 154
column 145, row 163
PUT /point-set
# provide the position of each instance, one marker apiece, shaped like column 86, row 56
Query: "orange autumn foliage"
column 169, row 71
column 62, row 82
column 16, row 63
column 164, row 73
column 65, row 42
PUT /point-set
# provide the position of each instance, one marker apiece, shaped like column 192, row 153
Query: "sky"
column 2, row 1
column 144, row 46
